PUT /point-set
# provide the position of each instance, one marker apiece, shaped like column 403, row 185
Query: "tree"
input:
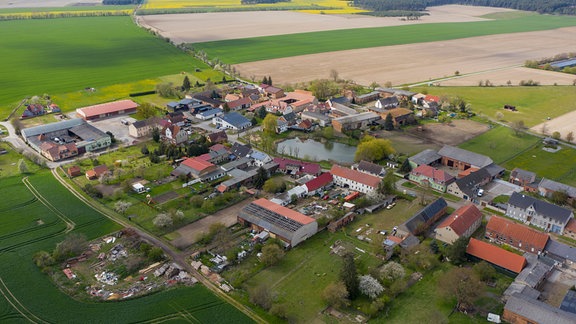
column 328, row 132
column 387, row 185
column 261, row 112
column 274, row 185
column 370, row 286
column 146, row 110
column 155, row 254
column 166, row 90
column 186, row 84
column 156, row 134
column 260, row 178
column 463, row 284
column 373, row 149
column 559, row 197
column 270, row 81
column 484, row 271
column 457, row 251
column 261, row 296
column 323, row 88
column 556, row 135
column 121, row 206
column 405, row 167
column 22, row 167
column 271, row 254
column 391, row 272
column 349, row 277
column 334, row 75
column 43, row 259
column 499, row 116
column 570, row 137
column 196, row 201
column 517, row 127
column 544, row 129
column 389, row 122
column 73, row 245
column 209, row 85
column 162, row 220
column 270, row 123
column 265, row 80
column 336, row 295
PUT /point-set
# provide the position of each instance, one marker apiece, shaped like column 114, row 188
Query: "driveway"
column 500, row 188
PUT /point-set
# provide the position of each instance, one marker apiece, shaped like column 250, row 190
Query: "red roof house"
column 317, row 184
column 296, row 167
column 355, row 180
column 495, row 255
column 432, row 177
column 96, row 172
column 463, row 222
column 504, row 231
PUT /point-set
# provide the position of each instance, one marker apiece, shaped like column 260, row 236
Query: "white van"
column 480, row 192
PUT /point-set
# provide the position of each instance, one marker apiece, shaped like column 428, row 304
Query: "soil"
column 170, row 195
column 107, row 190
column 455, row 133
column 562, row 124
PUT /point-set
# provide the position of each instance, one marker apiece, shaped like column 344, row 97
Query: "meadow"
column 265, row 48
column 66, row 55
column 29, row 226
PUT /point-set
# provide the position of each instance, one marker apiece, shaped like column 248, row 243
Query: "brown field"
column 407, row 64
column 192, row 28
column 457, row 132
column 514, row 75
column 45, row 3
column 563, row 124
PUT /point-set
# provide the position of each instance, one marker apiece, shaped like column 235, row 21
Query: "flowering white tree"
column 392, row 271
column 121, row 206
column 162, row 220
column 370, row 286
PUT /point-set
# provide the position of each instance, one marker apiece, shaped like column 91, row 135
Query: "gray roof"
column 53, row 127
column 209, row 112
column 146, row 122
column 269, row 220
column 527, row 176
column 474, row 159
column 314, row 115
column 517, row 287
column 535, row 272
column 470, row 183
column 569, row 302
column 236, row 120
column 494, row 169
column 88, row 132
column 557, row 186
column 426, row 157
column 396, row 92
column 358, row 117
column 371, row 168
column 240, row 150
column 236, row 164
column 560, row 250
column 537, row 311
column 424, row 215
column 343, row 109
column 541, row 207
column 340, row 100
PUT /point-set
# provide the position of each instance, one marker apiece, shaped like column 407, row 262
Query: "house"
column 176, row 118
column 544, row 215
column 370, row 168
column 522, row 309
column 318, row 184
column 174, row 134
column 297, row 167
column 260, row 158
column 33, row 110
column 142, row 128
column 564, row 255
column 209, row 114
column 216, row 154
column 503, row 231
column 461, row 159
column 426, row 157
column 198, row 168
column 570, row 229
column 238, row 150
column 352, row 122
column 547, row 188
column 305, row 126
column 282, row 223
column 217, row 137
column 233, row 121
column 367, row 97
column 316, row 117
column 427, row 216
column 461, row 223
column 104, row 110
column 468, row 186
column 281, row 125
column 400, row 116
column 285, row 198
column 387, row 103
column 273, row 92
column 523, row 178
column 355, row 180
column 499, row 257
column 73, row 171
column 56, row 152
column 239, row 104
column 431, row 177
column 96, row 172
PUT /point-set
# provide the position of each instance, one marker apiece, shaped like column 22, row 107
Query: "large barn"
column 283, row 223
column 108, row 109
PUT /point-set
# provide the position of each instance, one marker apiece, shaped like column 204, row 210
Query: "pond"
column 309, row 149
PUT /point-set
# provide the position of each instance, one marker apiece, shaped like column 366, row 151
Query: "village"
column 209, row 177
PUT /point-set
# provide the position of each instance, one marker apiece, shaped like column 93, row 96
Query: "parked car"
column 480, row 192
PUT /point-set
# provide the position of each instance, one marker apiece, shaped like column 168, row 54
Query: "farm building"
column 539, row 213
column 503, row 231
column 297, row 167
column 463, row 222
column 467, row 187
column 523, row 178
column 497, row 256
column 108, row 109
column 426, row 157
column 355, row 180
column 233, row 121
column 46, row 138
column 547, row 187
column 423, row 219
column 351, row 122
column 209, row 114
column 316, row 117
column 142, row 128
column 400, row 116
column 96, row 172
column 318, row 184
column 521, row 309
column 370, row 168
column 198, row 169
column 283, row 223
column 461, row 159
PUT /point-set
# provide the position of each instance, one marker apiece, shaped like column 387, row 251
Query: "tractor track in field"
column 70, row 224
column 17, row 305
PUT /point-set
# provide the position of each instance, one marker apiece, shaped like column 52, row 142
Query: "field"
column 29, row 226
column 563, row 124
column 501, row 77
column 65, row 55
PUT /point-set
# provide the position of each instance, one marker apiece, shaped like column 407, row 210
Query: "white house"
column 354, row 180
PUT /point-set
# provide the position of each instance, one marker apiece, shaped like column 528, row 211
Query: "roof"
column 217, row 136
column 240, row 150
column 209, row 112
column 260, row 156
column 146, row 122
column 469, row 183
column 557, row 213
column 319, row 182
column 357, row 118
column 370, row 167
column 561, row 250
column 424, row 215
column 235, row 119
column 518, row 232
column 305, row 167
column 52, row 127
column 494, row 170
column 523, row 175
column 436, row 175
column 197, row 163
column 569, row 302
column 536, row 271
column 396, row 92
column 495, row 255
column 428, row 156
column 571, row 226
column 462, row 219
column 399, row 112
column 357, row 176
column 557, row 186
column 107, row 108
column 537, row 311
column 459, row 154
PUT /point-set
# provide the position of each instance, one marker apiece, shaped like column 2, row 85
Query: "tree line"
column 566, row 7
column 121, row 2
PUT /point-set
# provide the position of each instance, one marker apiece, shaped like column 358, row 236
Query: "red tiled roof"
column 204, row 157
column 461, row 220
column 100, row 169
column 395, row 239
column 319, row 182
column 496, row 255
column 518, row 232
column 283, row 211
column 217, row 147
column 107, row 108
column 305, row 167
column 197, row 164
column 432, row 98
column 356, row 176
column 571, row 226
column 239, row 102
column 438, row 176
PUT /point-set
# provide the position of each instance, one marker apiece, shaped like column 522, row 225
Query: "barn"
column 108, row 109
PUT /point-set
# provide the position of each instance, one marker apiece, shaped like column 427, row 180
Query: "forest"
column 566, row 7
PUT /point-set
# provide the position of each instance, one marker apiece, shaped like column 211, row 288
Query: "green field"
column 264, row 48
column 29, row 226
column 534, row 104
column 65, row 55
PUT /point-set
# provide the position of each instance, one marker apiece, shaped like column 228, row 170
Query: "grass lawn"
column 9, row 162
column 69, row 54
column 500, row 144
column 534, row 104
column 265, row 48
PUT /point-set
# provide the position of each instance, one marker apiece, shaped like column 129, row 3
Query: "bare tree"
column 334, row 75
column 517, row 127
column 499, row 116
column 544, row 129
column 570, row 137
